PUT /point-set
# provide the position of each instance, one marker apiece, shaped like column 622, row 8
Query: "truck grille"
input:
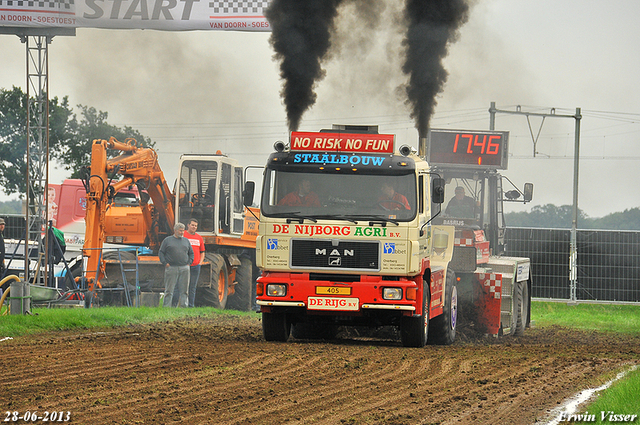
column 345, row 255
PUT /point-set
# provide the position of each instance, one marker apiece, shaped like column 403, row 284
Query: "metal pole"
column 492, row 116
column 573, row 256
column 573, row 249
column 28, row 195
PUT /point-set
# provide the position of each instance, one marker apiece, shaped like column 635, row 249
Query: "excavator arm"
column 137, row 166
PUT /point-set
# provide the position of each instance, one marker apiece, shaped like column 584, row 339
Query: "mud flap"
column 488, row 300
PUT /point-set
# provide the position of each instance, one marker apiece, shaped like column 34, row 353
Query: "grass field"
column 623, row 319
column 621, row 397
column 46, row 320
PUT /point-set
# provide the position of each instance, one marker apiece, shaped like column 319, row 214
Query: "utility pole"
column 573, row 248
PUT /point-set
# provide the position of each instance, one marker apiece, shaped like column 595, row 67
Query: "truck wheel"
column 216, row 291
column 442, row 329
column 414, row 330
column 241, row 299
column 310, row 330
column 276, row 327
column 522, row 308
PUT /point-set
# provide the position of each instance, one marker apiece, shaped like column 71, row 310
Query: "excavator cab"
column 210, row 191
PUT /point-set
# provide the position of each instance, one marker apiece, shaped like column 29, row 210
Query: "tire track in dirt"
column 335, row 391
column 204, row 371
column 226, row 379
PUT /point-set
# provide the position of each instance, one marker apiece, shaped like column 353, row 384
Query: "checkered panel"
column 38, row 4
column 463, row 242
column 493, row 283
column 225, row 7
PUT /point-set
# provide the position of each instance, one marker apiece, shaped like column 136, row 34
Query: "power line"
column 582, row 157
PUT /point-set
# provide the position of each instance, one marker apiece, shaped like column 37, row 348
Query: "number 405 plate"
column 333, row 290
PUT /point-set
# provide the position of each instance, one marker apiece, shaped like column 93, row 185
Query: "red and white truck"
column 67, row 204
column 347, row 236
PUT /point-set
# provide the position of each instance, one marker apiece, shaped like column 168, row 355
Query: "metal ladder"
column 125, row 284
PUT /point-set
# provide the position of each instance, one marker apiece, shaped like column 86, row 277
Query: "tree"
column 551, row 216
column 76, row 151
column 548, row 215
column 629, row 219
column 11, row 207
column 69, row 138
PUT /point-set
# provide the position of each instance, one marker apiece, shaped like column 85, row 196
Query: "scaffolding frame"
column 37, row 42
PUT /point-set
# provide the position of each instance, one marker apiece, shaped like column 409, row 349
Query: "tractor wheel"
column 241, row 299
column 215, row 289
column 522, row 308
column 414, row 330
column 442, row 329
column 276, row 327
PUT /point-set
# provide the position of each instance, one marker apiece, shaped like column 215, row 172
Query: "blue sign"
column 353, row 160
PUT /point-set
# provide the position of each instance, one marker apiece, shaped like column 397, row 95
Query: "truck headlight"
column 391, row 293
column 276, row 290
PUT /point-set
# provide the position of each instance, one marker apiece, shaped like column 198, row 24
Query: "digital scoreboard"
column 471, row 149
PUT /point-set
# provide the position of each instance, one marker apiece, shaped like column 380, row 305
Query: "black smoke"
column 432, row 25
column 300, row 37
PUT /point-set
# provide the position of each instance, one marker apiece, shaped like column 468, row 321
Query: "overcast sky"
column 198, row 92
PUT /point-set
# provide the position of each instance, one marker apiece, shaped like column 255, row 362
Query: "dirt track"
column 221, row 371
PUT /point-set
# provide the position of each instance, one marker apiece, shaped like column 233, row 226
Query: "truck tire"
column 215, row 292
column 311, row 330
column 414, row 330
column 276, row 327
column 442, row 329
column 522, row 308
column 241, row 299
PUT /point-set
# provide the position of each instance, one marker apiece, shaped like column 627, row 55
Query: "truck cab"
column 346, row 238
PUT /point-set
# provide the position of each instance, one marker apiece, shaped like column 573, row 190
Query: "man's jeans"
column 194, row 275
column 176, row 284
column 193, row 283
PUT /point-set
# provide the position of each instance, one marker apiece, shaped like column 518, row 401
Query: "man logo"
column 335, row 261
column 272, row 244
column 345, row 253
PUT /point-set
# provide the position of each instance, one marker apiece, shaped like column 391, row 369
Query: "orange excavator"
column 211, row 190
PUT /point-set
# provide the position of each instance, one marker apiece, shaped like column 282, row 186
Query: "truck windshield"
column 343, row 196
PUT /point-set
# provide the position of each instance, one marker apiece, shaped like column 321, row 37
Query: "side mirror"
column 437, row 190
column 248, row 192
column 528, row 192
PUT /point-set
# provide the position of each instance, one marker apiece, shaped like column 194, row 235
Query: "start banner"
column 166, row 15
